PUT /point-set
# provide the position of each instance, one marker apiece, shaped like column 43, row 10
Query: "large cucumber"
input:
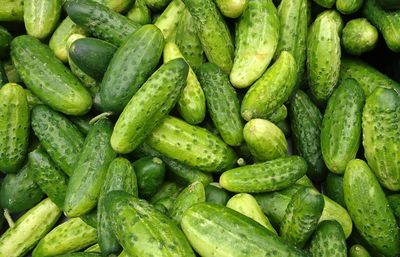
column 231, row 8
column 328, row 240
column 5, row 41
column 359, row 36
column 169, row 19
column 12, row 10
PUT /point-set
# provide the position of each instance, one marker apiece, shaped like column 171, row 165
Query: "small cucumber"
column 32, row 99
column 150, row 172
column 358, row 251
column 117, row 5
column 12, row 10
column 216, row 194
column 334, row 211
column 232, row 8
column 169, row 19
column 348, row 6
column 140, row 13
column 5, row 41
column 325, row 3
column 359, row 36
column 394, row 202
column 333, row 188
column 328, row 240
column 157, row 4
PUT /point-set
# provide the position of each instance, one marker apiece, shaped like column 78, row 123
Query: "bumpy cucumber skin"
column 306, row 122
column 328, row 240
column 191, row 145
column 90, row 170
column 149, row 106
column 169, row 19
column 5, row 40
column 232, row 8
column 213, row 32
column 359, row 36
column 209, row 226
column 257, row 38
column 325, row 3
column 348, row 7
column 150, row 172
column 358, row 251
column 12, row 10
column 48, row 78
column 159, row 235
column 100, row 21
column 394, row 202
column 116, row 5
column 333, row 188
column 265, row 140
column 14, row 127
column 222, row 102
column 157, row 4
column 120, row 176
column 140, row 13
column 59, row 137
column 341, row 126
column 130, row 67
column 381, row 134
column 29, row 229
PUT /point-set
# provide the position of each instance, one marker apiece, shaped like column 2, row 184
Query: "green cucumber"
column 41, row 17
column 333, row 188
column 157, row 4
column 150, row 172
column 222, row 103
column 80, row 255
column 48, row 78
column 14, row 127
column 325, row 3
column 209, row 228
column 264, row 177
column 191, row 145
column 117, row 5
column 216, row 194
column 59, row 137
column 140, row 13
column 271, row 90
column 381, row 134
column 341, row 126
column 168, row 189
column 100, row 21
column 32, row 99
column 93, row 249
column 394, row 202
column 192, row 103
column 70, row 236
column 3, row 75
column 389, row 4
column 213, row 32
column 359, row 36
column 169, row 19
column 29, row 229
column 348, row 7
column 90, row 218
column 12, row 10
column 328, row 240
column 11, row 72
column 232, row 8
column 265, row 140
column 149, row 106
column 120, row 176
column 279, row 115
column 165, row 205
column 334, row 211
column 358, row 251
column 5, row 41
column 159, row 236
column 82, row 122
column 257, row 37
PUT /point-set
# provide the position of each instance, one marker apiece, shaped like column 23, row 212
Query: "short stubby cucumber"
column 359, row 36
column 328, row 240
column 348, row 6
column 169, row 19
column 232, row 8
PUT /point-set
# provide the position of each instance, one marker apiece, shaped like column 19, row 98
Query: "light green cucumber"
column 12, row 10
column 328, row 240
column 232, row 8
column 117, row 5
column 348, row 6
column 169, row 19
column 93, row 249
column 279, row 115
column 359, row 36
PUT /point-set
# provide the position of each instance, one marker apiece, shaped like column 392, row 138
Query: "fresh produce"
column 5, row 40
column 216, row 194
column 169, row 19
column 359, row 36
column 328, row 240
column 232, row 8
column 12, row 10
column 150, row 173
column 140, row 13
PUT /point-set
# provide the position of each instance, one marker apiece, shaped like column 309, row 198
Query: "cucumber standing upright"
column 328, row 240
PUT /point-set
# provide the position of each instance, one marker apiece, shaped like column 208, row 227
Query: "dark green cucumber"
column 12, row 10
column 48, row 78
column 119, row 6
column 131, row 65
column 169, row 19
column 394, row 202
column 157, row 4
column 150, row 172
column 14, row 127
column 61, row 139
column 209, row 228
column 168, row 189
column 140, row 13
column 328, row 240
column 389, row 4
column 348, row 6
column 216, row 194
column 359, row 36
column 159, row 235
column 222, row 102
column 120, row 176
column 5, row 41
column 149, row 106
column 358, row 251
column 306, row 121
column 90, row 218
column 333, row 188
column 3, row 75
column 90, row 170
column 165, row 205
column 100, row 21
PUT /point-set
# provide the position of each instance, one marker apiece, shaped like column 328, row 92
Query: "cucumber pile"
column 212, row 128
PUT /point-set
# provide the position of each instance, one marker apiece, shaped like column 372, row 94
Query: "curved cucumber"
column 359, row 36
column 232, row 8
column 140, row 13
column 12, row 10
column 150, row 172
column 328, row 240
column 348, row 6
column 169, row 19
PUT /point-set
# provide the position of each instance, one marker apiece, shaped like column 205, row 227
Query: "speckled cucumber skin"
column 359, row 36
column 14, row 127
column 90, row 170
column 369, row 209
column 213, row 32
column 169, row 19
column 358, row 251
column 209, row 228
column 348, row 6
column 147, row 108
column 394, row 202
column 140, row 13
column 48, row 78
column 257, row 38
column 381, row 134
column 29, row 229
column 222, row 103
column 232, row 8
column 70, row 236
column 12, row 10
column 191, row 145
column 328, row 240
column 131, row 65
column 271, row 90
column 61, row 139
column 341, row 126
column 159, row 235
column 325, row 3
column 279, row 115
column 117, row 5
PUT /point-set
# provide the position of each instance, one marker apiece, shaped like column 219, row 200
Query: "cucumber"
column 90, row 170
column 100, row 21
column 325, row 3
column 271, row 90
column 264, row 177
column 140, row 13
column 149, row 106
column 117, row 5
column 358, row 251
column 169, row 19
column 216, row 194
column 394, row 202
column 372, row 214
column 279, row 115
column 150, row 172
column 191, row 145
column 265, row 140
column 90, row 218
column 168, row 189
column 341, row 130
column 48, row 78
column 80, row 255
column 82, row 123
column 333, row 188
column 3, row 75
column 306, row 121
column 5, row 41
column 11, row 72
column 159, row 236
column 12, row 10
column 328, row 240
column 32, row 99
column 209, row 227
column 348, row 7
column 389, row 4
column 380, row 136
column 359, row 36
column 192, row 103
column 334, row 211
column 232, row 8
column 222, row 102
column 120, row 176
column 14, row 127
column 70, row 236
column 213, row 32
column 59, row 137
column 29, row 229
column 41, row 17
column 93, row 249
column 257, row 37
column 157, row 4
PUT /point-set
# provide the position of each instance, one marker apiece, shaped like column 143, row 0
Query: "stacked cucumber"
column 225, row 128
